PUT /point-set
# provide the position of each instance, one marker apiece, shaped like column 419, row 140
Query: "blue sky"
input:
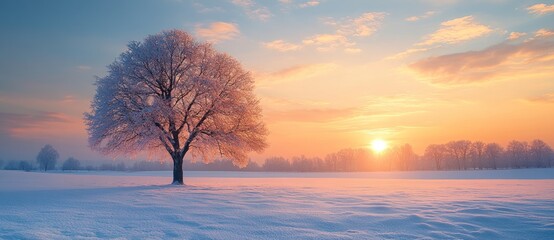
column 340, row 72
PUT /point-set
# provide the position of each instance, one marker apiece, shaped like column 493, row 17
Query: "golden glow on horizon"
column 379, row 145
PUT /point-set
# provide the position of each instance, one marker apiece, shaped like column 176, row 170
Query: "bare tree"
column 172, row 94
column 477, row 152
column 437, row 153
column 404, row 155
column 517, row 152
column 302, row 164
column 47, row 157
column 276, row 164
column 492, row 152
column 540, row 152
column 460, row 151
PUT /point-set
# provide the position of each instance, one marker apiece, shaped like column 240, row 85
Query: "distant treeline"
column 454, row 155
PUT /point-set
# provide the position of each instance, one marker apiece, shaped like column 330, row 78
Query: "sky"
column 330, row 74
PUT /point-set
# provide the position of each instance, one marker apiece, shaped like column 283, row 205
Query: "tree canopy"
column 171, row 93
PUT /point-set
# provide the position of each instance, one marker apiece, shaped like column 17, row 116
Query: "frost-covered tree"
column 459, row 150
column 540, row 153
column 47, row 157
column 71, row 164
column 477, row 154
column 173, row 94
column 277, row 164
column 493, row 152
column 518, row 152
column 437, row 153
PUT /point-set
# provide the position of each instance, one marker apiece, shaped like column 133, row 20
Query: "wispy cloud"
column 346, row 30
column 311, row 3
column 203, row 9
column 450, row 32
column 388, row 110
column 417, row 18
column 456, row 31
column 516, row 35
column 531, row 58
column 294, row 73
column 353, row 50
column 327, row 42
column 252, row 9
column 406, row 53
column 543, row 32
column 309, row 115
column 69, row 99
column 546, row 98
column 363, row 26
column 541, row 9
column 217, row 31
column 38, row 125
column 84, row 67
column 282, row 46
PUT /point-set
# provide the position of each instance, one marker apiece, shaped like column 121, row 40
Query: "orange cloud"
column 544, row 33
column 532, row 58
column 451, row 32
column 282, row 46
column 352, row 50
column 362, row 26
column 294, row 73
column 417, row 18
column 455, row 31
column 406, row 53
column 218, row 31
column 541, row 9
column 327, row 42
column 546, row 98
column 516, row 35
column 40, row 125
column 309, row 115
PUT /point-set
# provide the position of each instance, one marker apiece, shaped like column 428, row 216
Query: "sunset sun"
column 379, row 145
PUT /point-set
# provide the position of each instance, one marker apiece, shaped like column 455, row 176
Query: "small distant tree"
column 18, row 165
column 71, row 164
column 252, row 167
column 477, row 153
column 47, row 157
column 518, row 152
column 171, row 94
column 460, row 150
column 540, row 152
column 302, row 164
column 120, row 167
column 277, row 164
column 406, row 156
column 25, row 166
column 493, row 152
column 437, row 153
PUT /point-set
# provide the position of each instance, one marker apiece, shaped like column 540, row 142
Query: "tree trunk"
column 177, row 170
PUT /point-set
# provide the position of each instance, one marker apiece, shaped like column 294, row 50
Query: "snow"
column 239, row 205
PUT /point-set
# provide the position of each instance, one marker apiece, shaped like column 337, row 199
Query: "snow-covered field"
column 511, row 204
